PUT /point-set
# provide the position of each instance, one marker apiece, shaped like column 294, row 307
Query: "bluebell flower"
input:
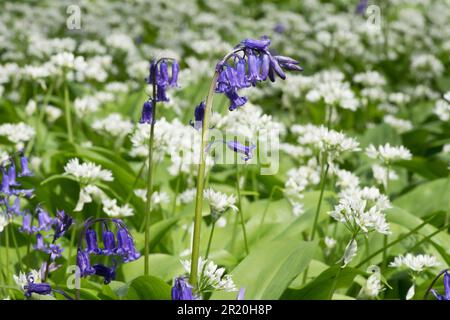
column 163, row 79
column 255, row 65
column 55, row 251
column 15, row 208
column 125, row 245
column 12, row 175
column 26, row 193
column 5, row 182
column 109, row 243
column 199, row 115
column 91, row 241
column 236, row 101
column 107, row 273
column 153, row 73
column 175, row 71
column 44, row 220
column 26, row 172
column 182, row 290
column 361, row 7
column 40, row 244
column 62, row 223
column 147, row 112
column 84, row 263
column 241, row 294
column 38, row 288
column 26, row 224
column 238, row 147
column 446, row 295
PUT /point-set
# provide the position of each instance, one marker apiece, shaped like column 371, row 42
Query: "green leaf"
column 319, row 288
column 269, row 269
column 162, row 265
column 157, row 231
column 148, row 288
column 426, row 198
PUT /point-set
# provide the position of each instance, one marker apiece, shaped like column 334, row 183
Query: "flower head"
column 181, row 289
column 446, row 295
column 416, row 263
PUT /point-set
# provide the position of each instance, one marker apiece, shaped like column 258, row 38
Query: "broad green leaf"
column 269, row 269
column 148, row 288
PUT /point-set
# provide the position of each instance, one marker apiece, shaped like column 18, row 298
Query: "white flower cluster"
column 220, row 202
column 331, row 142
column 442, row 107
column 416, row 263
column 400, row 125
column 158, row 197
column 373, row 286
column 210, row 276
column 113, row 124
column 387, row 153
column 17, row 133
column 87, row 172
column 21, row 279
column 362, row 210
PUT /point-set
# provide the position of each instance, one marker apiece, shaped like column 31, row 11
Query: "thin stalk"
column 336, row 278
column 385, row 237
column 149, row 182
column 266, row 208
column 241, row 214
column 399, row 239
column 19, row 258
column 201, row 173
column 67, row 112
column 7, row 254
column 208, row 247
column 323, row 178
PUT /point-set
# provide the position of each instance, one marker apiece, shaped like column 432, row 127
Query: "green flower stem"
column 323, row 174
column 68, row 112
column 241, row 214
column 399, row 239
column 148, row 208
column 200, row 183
column 201, row 173
column 19, row 258
column 7, row 254
column 208, row 247
column 266, row 208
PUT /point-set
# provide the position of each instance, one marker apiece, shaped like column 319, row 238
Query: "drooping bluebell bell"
column 25, row 193
column 147, row 112
column 160, row 77
column 446, row 295
column 40, row 244
column 199, row 114
column 125, row 245
column 361, row 7
column 44, row 220
column 12, row 175
column 182, row 290
column 175, row 70
column 26, row 172
column 109, row 243
column 84, row 263
column 107, row 273
column 26, row 224
column 241, row 294
column 15, row 207
column 38, row 288
column 256, row 65
column 5, row 182
column 91, row 241
column 62, row 223
column 238, row 147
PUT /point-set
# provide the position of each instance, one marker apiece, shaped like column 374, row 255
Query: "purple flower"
column 161, row 94
column 182, row 290
column 12, row 175
column 26, row 172
column 279, row 28
column 361, row 7
column 199, row 114
column 147, row 112
column 38, row 288
column 91, row 242
column 5, row 183
column 45, row 222
column 40, row 244
column 26, row 224
column 55, row 251
column 235, row 100
column 175, row 71
column 237, row 147
column 253, row 70
column 62, row 224
column 108, row 274
column 153, row 72
column 446, row 295
column 15, row 208
column 84, row 263
column 256, row 44
column 241, row 294
column 109, row 242
column 125, row 245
